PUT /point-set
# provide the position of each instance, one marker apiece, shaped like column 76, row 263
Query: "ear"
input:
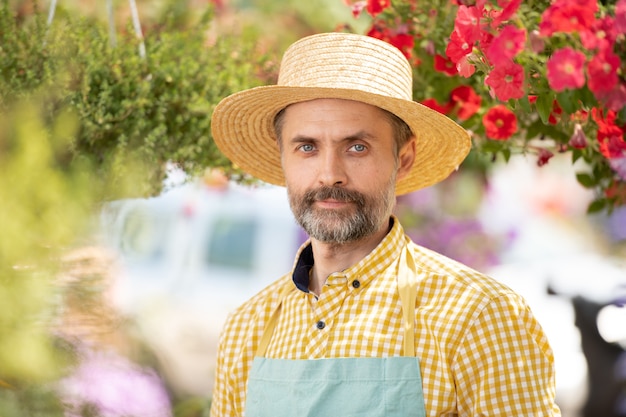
column 406, row 158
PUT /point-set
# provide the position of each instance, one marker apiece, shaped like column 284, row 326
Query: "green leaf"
column 506, row 152
column 596, row 206
column 524, row 104
column 568, row 101
column 586, row 180
column 491, row 146
column 544, row 106
column 576, row 155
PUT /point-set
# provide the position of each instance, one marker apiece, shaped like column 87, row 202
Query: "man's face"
column 340, row 168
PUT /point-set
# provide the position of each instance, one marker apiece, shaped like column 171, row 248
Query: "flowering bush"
column 533, row 77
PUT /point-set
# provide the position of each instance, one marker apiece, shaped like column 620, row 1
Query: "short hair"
column 401, row 131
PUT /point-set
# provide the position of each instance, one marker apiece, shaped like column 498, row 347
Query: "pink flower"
column 357, row 8
column 506, row 81
column 509, row 8
column 506, row 45
column 565, row 69
column 619, row 166
column 465, row 67
column 614, row 99
column 500, row 123
column 620, row 16
column 467, row 23
column 602, row 70
column 601, row 35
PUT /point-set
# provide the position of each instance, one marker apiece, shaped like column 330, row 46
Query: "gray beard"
column 364, row 218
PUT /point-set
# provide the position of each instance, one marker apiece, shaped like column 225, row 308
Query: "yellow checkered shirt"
column 481, row 350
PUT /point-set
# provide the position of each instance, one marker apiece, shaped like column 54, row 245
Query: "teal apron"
column 347, row 387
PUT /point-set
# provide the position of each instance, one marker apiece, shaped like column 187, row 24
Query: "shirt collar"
column 377, row 260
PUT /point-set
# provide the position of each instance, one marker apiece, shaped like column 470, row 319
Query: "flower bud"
column 544, row 156
column 536, row 41
column 578, row 139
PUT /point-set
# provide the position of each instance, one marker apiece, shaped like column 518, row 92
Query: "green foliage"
column 154, row 109
column 46, row 206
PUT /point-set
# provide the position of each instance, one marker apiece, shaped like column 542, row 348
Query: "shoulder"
column 459, row 293
column 255, row 311
column 450, row 273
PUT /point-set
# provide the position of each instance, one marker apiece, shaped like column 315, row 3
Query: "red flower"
column 565, row 69
column 404, row 42
column 613, row 147
column 610, row 136
column 435, row 105
column 375, row 7
column 466, row 101
column 602, row 70
column 457, row 47
column 445, row 65
column 567, row 16
column 555, row 114
column 506, row 81
column 506, row 45
column 500, row 123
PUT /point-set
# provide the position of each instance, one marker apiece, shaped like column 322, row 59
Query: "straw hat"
column 345, row 66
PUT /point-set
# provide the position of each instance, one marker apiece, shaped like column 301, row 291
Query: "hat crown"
column 347, row 61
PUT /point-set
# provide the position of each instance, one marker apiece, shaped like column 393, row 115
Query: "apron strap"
column 268, row 331
column 407, row 272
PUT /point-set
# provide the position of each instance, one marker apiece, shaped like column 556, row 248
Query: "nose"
column 332, row 171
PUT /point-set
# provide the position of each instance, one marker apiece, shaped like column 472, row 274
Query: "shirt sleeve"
column 505, row 365
column 222, row 403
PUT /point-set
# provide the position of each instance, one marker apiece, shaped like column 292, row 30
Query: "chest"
column 343, row 322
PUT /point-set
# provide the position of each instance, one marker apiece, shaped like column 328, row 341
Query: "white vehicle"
column 189, row 257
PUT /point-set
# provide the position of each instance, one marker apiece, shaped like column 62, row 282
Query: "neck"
column 334, row 257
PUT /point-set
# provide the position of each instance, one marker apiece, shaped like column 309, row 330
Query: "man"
column 367, row 323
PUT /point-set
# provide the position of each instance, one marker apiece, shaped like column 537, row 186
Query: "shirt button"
column 356, row 283
column 320, row 324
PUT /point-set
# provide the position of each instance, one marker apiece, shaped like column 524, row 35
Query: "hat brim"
column 242, row 126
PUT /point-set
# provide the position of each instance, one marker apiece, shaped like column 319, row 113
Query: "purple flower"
column 619, row 166
column 114, row 387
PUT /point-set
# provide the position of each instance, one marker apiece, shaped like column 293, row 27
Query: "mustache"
column 334, row 193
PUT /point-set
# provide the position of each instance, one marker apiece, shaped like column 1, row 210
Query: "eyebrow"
column 360, row 135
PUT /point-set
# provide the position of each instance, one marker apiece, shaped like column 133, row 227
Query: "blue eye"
column 307, row 147
column 359, row 147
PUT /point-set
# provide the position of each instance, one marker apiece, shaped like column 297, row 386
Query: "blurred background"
column 127, row 237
